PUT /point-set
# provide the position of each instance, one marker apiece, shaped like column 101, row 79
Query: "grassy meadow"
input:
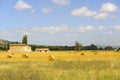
column 68, row 65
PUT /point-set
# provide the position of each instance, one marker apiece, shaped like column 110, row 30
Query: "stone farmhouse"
column 19, row 48
column 42, row 50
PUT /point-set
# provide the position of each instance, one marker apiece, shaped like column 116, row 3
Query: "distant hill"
column 4, row 44
column 103, row 46
column 4, row 41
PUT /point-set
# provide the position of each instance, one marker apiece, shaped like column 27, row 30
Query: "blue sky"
column 61, row 22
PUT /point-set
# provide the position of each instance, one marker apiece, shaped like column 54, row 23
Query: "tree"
column 108, row 48
column 78, row 46
column 33, row 47
column 24, row 40
column 101, row 48
column 93, row 47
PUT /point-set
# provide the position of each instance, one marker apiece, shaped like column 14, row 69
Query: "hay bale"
column 25, row 56
column 51, row 58
column 82, row 54
column 13, row 53
column 95, row 53
column 9, row 56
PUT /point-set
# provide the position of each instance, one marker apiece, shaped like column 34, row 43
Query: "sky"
column 61, row 22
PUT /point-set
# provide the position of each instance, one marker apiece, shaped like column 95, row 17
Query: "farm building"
column 42, row 49
column 19, row 48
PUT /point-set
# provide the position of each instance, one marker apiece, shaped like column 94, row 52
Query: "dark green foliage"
column 108, row 48
column 101, row 48
column 24, row 40
column 94, row 47
column 91, row 47
column 33, row 47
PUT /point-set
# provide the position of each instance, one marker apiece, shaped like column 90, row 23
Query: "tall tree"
column 24, row 40
column 78, row 46
column 108, row 48
column 93, row 47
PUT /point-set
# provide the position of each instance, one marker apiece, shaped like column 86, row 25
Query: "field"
column 68, row 65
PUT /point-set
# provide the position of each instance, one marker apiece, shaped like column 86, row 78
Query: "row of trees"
column 79, row 46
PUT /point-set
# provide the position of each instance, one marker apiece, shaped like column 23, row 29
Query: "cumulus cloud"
column 97, row 28
column 110, row 32
column 4, row 33
column 48, row 30
column 61, row 2
column 108, row 7
column 21, row 5
column 85, row 28
column 101, row 16
column 102, row 13
column 65, row 29
column 105, row 11
column 101, row 28
column 84, row 11
column 116, row 27
column 46, row 10
column 33, row 10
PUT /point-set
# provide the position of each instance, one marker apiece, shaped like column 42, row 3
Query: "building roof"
column 41, row 49
column 18, row 44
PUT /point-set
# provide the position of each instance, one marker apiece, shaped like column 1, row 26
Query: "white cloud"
column 48, row 30
column 101, row 28
column 110, row 32
column 46, row 10
column 85, row 28
column 108, row 7
column 61, row 2
column 4, row 33
column 65, row 29
column 21, row 5
column 84, row 11
column 103, row 13
column 101, row 16
column 116, row 27
column 33, row 10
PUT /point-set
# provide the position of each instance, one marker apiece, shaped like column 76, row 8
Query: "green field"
column 68, row 65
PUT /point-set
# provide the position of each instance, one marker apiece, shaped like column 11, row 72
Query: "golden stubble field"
column 67, row 65
column 62, row 55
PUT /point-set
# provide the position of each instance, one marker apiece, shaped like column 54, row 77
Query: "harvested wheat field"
column 61, row 55
column 60, row 65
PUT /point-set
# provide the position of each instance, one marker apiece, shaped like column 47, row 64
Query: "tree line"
column 78, row 46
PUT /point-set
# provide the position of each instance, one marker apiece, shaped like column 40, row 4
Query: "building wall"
column 42, row 50
column 19, row 48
